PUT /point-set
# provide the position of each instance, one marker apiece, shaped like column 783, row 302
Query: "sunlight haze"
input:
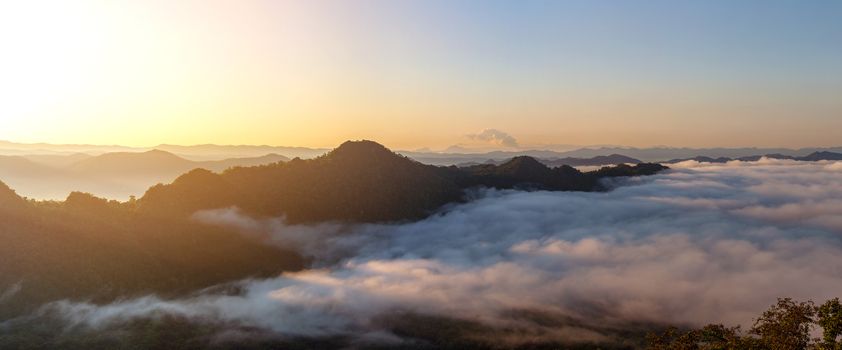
column 417, row 74
column 421, row 174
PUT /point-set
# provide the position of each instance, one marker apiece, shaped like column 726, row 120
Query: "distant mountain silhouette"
column 193, row 152
column 153, row 162
column 822, row 155
column 57, row 160
column 701, row 159
column 115, row 175
column 449, row 157
column 611, row 159
column 812, row 157
column 220, row 165
column 239, row 151
column 660, row 154
column 160, row 163
column 11, row 166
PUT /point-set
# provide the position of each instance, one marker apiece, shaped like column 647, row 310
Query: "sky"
column 431, row 73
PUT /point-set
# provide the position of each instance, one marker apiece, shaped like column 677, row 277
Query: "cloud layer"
column 701, row 243
column 495, row 137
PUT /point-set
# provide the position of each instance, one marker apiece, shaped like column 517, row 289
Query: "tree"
column 711, row 337
column 829, row 317
column 786, row 325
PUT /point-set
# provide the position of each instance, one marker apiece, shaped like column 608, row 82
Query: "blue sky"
column 425, row 73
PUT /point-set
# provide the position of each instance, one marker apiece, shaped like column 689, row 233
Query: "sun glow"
column 412, row 74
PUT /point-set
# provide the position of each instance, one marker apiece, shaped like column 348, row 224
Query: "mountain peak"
column 361, row 150
column 523, row 163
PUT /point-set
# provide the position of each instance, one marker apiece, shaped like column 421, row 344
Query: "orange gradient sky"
column 421, row 73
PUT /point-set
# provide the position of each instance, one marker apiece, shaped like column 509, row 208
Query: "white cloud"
column 495, row 137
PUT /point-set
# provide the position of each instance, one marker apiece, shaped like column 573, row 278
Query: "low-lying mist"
column 700, row 243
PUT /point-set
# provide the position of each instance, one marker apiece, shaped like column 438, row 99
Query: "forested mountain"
column 529, row 173
column 87, row 247
column 357, row 182
column 92, row 249
column 361, row 181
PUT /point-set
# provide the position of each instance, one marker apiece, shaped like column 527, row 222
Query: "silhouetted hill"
column 529, row 173
column 642, row 169
column 522, row 171
column 524, row 167
column 358, row 181
column 198, row 189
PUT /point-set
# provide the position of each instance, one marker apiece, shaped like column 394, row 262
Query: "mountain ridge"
column 94, row 249
column 363, row 181
column 812, row 157
column 216, row 152
column 114, row 175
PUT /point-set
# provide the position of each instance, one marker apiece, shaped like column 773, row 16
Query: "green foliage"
column 786, row 325
column 829, row 317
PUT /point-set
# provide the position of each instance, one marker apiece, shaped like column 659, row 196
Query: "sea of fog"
column 700, row 243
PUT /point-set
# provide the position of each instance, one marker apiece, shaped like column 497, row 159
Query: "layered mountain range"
column 90, row 248
column 812, row 157
column 115, row 175
column 363, row 181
